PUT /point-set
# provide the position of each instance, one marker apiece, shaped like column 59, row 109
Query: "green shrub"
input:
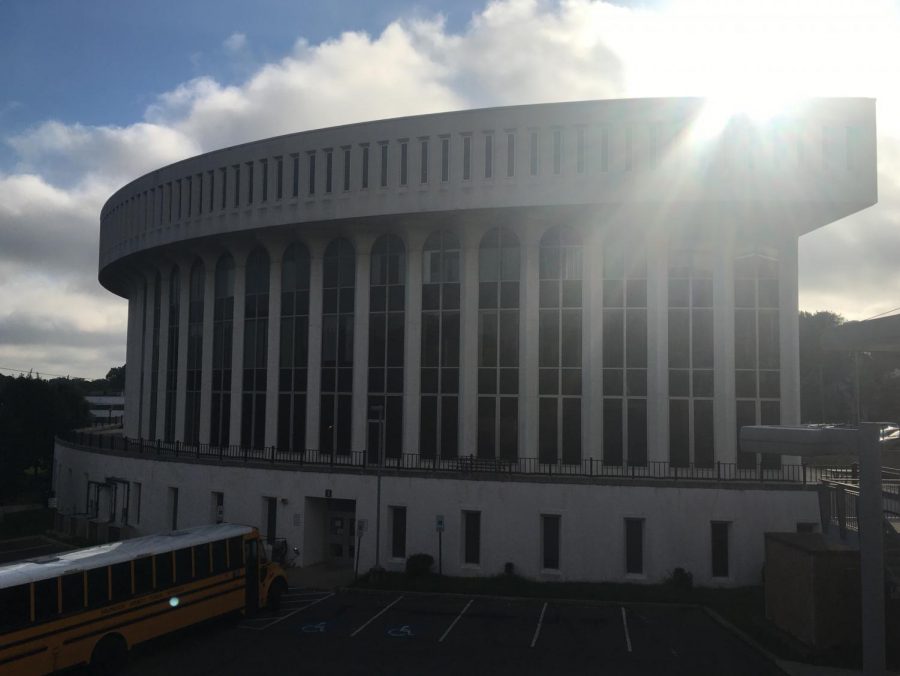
column 680, row 579
column 419, row 565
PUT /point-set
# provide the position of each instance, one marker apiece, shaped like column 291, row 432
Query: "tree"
column 32, row 413
column 116, row 378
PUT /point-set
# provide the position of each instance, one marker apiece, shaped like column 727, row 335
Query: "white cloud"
column 511, row 52
column 235, row 42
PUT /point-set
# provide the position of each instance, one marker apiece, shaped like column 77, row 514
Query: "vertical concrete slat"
column 468, row 353
column 658, row 346
column 166, row 279
column 412, row 351
column 363, row 246
column 237, row 347
column 273, row 356
column 529, row 330
column 724, row 412
column 183, row 314
column 314, row 372
column 206, row 358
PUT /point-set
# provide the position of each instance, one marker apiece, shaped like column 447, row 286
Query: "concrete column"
column 206, row 358
column 276, row 253
column 183, row 307
column 592, row 346
column 724, row 413
column 166, row 280
column 314, row 369
column 147, row 353
column 363, row 246
column 789, row 320
column 237, row 348
column 413, row 347
column 133, row 361
column 530, row 237
column 468, row 347
column 657, row 345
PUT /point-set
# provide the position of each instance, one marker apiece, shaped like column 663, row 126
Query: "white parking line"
column 376, row 615
column 537, row 630
column 625, row 626
column 453, row 624
column 271, row 622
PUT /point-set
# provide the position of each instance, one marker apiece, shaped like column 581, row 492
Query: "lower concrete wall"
column 592, row 543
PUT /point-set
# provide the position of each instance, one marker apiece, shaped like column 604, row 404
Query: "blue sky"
column 94, row 93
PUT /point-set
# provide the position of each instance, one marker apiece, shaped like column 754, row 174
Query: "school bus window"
column 45, row 600
column 143, row 575
column 72, row 592
column 15, row 607
column 98, row 587
column 235, row 553
column 184, row 565
column 121, row 581
column 201, row 561
column 218, row 556
column 165, row 576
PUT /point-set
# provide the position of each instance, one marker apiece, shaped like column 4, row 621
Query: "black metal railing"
column 413, row 462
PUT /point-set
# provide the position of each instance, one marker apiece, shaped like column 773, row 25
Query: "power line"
column 880, row 314
column 40, row 373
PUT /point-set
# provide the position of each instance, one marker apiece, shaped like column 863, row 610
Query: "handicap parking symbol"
column 403, row 631
column 315, row 628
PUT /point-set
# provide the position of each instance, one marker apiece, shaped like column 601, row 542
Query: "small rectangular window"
column 467, row 158
column 295, row 177
column 143, row 575
column 120, row 578
column 211, row 180
column 235, row 552
column 557, row 151
column 219, row 556
column 98, row 587
column 190, row 195
column 634, row 546
column 173, row 507
column 579, row 150
column 424, row 161
column 279, row 178
column 165, row 571
column 550, row 541
column 249, row 182
column 445, row 160
column 489, row 156
column 184, row 565
column 180, row 185
column 201, row 561
column 15, row 607
column 264, row 170
column 604, row 150
column 398, row 532
column 199, row 194
column 384, row 165
column 136, row 498
column 329, row 166
column 72, row 592
column 46, row 600
column 472, row 537
column 403, row 162
column 346, row 169
column 719, row 541
column 312, row 173
column 535, row 167
column 510, row 155
column 237, row 185
column 365, row 168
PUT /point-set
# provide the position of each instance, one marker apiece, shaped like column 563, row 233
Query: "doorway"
column 340, row 532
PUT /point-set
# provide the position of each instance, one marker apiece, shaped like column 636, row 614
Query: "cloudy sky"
column 95, row 93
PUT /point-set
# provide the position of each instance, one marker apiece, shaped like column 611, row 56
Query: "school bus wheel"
column 109, row 656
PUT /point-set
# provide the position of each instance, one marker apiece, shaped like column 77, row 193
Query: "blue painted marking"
column 401, row 632
column 315, row 628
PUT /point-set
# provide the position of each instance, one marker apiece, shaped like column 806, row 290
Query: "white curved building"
column 555, row 317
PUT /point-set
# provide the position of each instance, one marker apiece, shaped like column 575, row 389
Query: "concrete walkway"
column 319, row 576
column 801, row 669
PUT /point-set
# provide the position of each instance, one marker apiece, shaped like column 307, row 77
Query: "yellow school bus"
column 92, row 605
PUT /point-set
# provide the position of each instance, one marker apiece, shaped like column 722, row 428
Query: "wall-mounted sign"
column 439, row 523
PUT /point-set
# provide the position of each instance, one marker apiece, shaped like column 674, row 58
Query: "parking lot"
column 379, row 633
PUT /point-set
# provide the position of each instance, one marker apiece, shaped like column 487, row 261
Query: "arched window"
column 294, row 348
column 387, row 303
column 172, row 354
column 338, row 291
column 499, row 263
column 195, row 353
column 757, row 353
column 256, row 350
column 624, row 353
column 154, row 355
column 559, row 346
column 439, row 415
column 691, row 386
column 223, row 323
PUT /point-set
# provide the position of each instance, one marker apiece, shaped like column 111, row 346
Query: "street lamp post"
column 379, row 409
